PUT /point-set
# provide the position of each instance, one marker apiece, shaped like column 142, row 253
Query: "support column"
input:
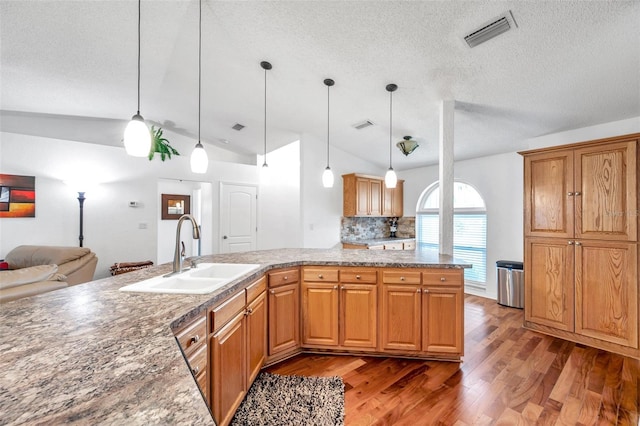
column 445, row 175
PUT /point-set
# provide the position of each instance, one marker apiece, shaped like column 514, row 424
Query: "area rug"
column 292, row 400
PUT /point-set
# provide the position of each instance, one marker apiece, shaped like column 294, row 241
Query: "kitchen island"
column 91, row 354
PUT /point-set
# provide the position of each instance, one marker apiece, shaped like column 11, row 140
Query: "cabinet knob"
column 569, row 194
column 249, row 311
column 357, row 277
column 341, row 287
column 578, row 193
column 418, row 291
column 401, row 278
column 578, row 243
column 335, row 287
column 272, row 291
column 195, row 339
column 320, row 276
column 443, row 279
column 570, row 243
column 195, row 370
column 426, row 290
column 285, row 278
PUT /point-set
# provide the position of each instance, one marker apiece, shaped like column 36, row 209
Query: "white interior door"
column 238, row 213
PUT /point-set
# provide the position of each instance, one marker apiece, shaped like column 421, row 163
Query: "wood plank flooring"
column 510, row 376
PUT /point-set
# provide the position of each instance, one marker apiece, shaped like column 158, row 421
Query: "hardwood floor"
column 509, row 376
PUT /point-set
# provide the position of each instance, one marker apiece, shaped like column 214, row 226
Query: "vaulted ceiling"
column 567, row 64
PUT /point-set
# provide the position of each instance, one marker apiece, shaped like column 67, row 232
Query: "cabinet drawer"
column 381, row 247
column 192, row 335
column 198, row 361
column 320, row 274
column 410, row 245
column 223, row 313
column 358, row 276
column 443, row 277
column 394, row 246
column 401, row 277
column 255, row 289
column 284, row 277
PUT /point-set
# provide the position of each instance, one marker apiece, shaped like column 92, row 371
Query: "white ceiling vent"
column 491, row 29
column 363, row 124
column 237, row 126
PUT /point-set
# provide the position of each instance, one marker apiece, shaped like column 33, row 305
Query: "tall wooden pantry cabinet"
column 581, row 242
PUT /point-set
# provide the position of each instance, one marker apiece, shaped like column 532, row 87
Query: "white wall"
column 322, row 207
column 111, row 228
column 279, row 199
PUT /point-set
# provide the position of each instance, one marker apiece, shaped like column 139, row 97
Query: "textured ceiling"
column 569, row 64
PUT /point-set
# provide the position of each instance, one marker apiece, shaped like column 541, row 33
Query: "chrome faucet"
column 177, row 257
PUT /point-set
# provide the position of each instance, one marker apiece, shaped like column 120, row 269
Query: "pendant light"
column 265, row 66
column 407, row 146
column 390, row 179
column 137, row 138
column 327, row 176
column 199, row 158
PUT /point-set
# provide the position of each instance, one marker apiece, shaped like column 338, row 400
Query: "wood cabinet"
column 284, row 312
column 393, row 200
column 339, row 308
column 423, row 312
column 581, row 242
column 238, row 348
column 192, row 339
column 365, row 195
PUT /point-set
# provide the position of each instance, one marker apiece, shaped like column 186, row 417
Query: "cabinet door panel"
column 606, row 207
column 359, row 326
column 228, row 348
column 256, row 336
column 375, row 197
column 320, row 314
column 607, row 292
column 549, row 279
column 442, row 324
column 401, row 317
column 284, row 318
column 548, row 207
column 362, row 197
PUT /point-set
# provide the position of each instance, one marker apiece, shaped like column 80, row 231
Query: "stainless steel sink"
column 204, row 279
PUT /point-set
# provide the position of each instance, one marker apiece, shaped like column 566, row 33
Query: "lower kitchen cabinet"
column 229, row 384
column 284, row 312
column 339, row 308
column 423, row 312
column 256, row 336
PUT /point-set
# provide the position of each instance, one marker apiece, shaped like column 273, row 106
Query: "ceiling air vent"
column 491, row 29
column 363, row 124
column 237, row 126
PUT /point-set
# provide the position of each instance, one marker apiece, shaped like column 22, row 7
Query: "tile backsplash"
column 367, row 228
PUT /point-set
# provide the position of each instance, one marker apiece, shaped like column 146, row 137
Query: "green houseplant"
column 160, row 145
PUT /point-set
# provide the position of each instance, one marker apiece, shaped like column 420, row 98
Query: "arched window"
column 469, row 227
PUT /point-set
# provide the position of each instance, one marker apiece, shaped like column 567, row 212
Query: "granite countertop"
column 90, row 354
column 378, row 241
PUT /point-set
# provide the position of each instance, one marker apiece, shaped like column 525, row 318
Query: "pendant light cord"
column 390, row 123
column 265, row 116
column 139, row 12
column 199, row 67
column 328, row 89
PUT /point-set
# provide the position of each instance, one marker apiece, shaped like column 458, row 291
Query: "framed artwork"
column 17, row 196
column 174, row 206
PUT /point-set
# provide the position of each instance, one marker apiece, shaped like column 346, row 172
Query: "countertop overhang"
column 90, row 354
column 378, row 241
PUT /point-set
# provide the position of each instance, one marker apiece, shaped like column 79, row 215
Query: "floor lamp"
column 81, row 199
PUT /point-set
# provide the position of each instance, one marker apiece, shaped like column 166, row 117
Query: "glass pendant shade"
column 137, row 138
column 327, row 178
column 407, row 146
column 199, row 159
column 390, row 179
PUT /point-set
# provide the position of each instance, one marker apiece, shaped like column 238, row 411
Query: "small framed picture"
column 174, row 206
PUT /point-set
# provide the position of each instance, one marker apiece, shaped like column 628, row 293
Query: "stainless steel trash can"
column 510, row 283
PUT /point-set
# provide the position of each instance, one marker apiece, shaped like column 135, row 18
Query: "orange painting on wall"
column 17, row 196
